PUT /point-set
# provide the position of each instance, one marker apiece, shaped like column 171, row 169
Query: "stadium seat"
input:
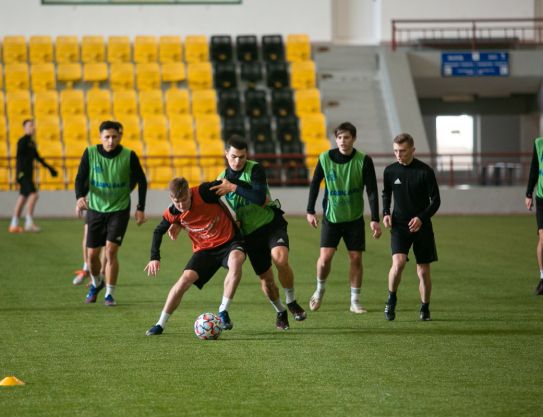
column 98, row 103
column 18, row 104
column 210, row 173
column 233, row 126
column 16, row 77
column 221, row 48
column 3, row 135
column 94, row 126
column 72, row 102
column 45, row 180
column 74, row 129
column 2, row 103
column 277, row 74
column 298, row 47
column 67, row 50
column 73, row 151
column 14, row 50
column 155, row 129
column 177, row 102
column 292, row 147
column 151, row 102
column 287, row 129
column 225, row 75
column 148, row 76
column 16, row 130
column 43, row 77
column 69, row 73
column 308, row 101
column 46, row 103
column 256, row 103
column 131, row 128
column 159, row 177
column 196, row 49
column 296, row 172
column 92, row 49
column 47, row 129
column 119, row 49
column 121, row 76
column 170, row 49
column 1, row 77
column 273, row 48
column 251, row 73
column 181, row 130
column 260, row 130
column 193, row 174
column 173, row 72
column 125, row 102
column 312, row 151
column 208, row 128
column 95, row 73
column 212, row 155
column 41, row 49
column 184, row 153
column 272, row 169
column 312, row 126
column 204, row 102
column 229, row 103
column 199, row 76
column 158, row 153
column 303, row 75
column 145, row 49
column 247, row 48
column 282, row 102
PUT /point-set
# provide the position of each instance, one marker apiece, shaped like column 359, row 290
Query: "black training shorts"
column 27, row 186
column 206, row 262
column 352, row 233
column 104, row 227
column 423, row 242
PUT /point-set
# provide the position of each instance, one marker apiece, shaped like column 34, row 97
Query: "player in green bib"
column 245, row 188
column 106, row 176
column 346, row 172
column 536, row 179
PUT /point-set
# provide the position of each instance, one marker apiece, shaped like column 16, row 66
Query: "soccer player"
column 413, row 185
column 263, row 226
column 107, row 174
column 26, row 154
column 535, row 179
column 346, row 172
column 215, row 240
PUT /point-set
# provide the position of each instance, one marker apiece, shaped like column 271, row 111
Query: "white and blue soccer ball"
column 207, row 326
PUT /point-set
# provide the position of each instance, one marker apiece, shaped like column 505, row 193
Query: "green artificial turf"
column 480, row 356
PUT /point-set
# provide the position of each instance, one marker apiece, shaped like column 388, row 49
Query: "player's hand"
column 174, row 230
column 53, row 172
column 375, row 230
column 152, row 268
column 529, row 202
column 387, row 221
column 224, row 187
column 140, row 217
column 312, row 220
column 80, row 206
column 415, row 224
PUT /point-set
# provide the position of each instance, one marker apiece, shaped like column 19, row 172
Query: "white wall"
column 29, row 17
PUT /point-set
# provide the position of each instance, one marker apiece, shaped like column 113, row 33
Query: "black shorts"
column 27, row 186
column 539, row 212
column 423, row 242
column 263, row 240
column 352, row 232
column 206, row 262
column 104, row 227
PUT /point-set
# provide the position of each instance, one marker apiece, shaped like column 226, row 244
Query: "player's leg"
column 82, row 273
column 236, row 257
column 324, row 266
column 539, row 256
column 270, row 289
column 17, row 210
column 355, row 279
column 111, row 271
column 96, row 239
column 286, row 278
column 425, row 290
column 425, row 251
column 30, row 207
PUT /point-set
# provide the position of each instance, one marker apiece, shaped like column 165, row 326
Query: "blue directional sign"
column 475, row 64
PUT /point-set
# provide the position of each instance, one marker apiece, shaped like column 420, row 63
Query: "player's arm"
column 532, row 180
column 433, row 195
column 153, row 266
column 82, row 184
column 387, row 198
column 137, row 176
column 256, row 191
column 370, row 181
column 314, row 186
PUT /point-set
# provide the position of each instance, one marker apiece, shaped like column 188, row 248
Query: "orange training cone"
column 10, row 381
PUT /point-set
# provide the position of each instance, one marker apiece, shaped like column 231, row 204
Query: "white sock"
column 163, row 319
column 110, row 289
column 14, row 221
column 96, row 280
column 289, row 295
column 278, row 305
column 29, row 221
column 321, row 285
column 540, row 272
column 224, row 304
column 355, row 295
column 85, row 267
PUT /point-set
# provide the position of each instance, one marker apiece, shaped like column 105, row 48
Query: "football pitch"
column 480, row 356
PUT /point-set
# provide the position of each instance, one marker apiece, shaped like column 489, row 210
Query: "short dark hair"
column 404, row 138
column 25, row 121
column 178, row 186
column 345, row 126
column 110, row 124
column 236, row 141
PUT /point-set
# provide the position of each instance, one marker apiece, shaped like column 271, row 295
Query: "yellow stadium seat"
column 18, row 104
column 312, row 126
column 69, row 73
column 73, row 151
column 151, row 102
column 67, row 50
column 303, row 75
column 192, row 173
column 145, row 49
column 92, row 49
column 45, row 103
column 131, row 128
column 41, row 49
column 158, row 153
column 173, row 72
column 125, row 102
column 196, row 49
column 47, row 129
column 95, row 72
column 212, row 154
column 134, row 145
column 119, row 49
column 298, row 47
column 155, row 129
column 177, row 102
column 1, row 77
column 98, row 103
column 148, row 76
column 16, row 130
column 313, row 149
column 307, row 101
column 204, row 102
column 45, row 180
column 208, row 128
column 185, row 153
column 170, row 49
column 122, row 76
column 16, row 77
column 43, row 77
column 159, row 177
column 3, row 137
column 72, row 102
column 181, row 130
column 210, row 173
column 74, row 129
column 14, row 50
column 200, row 76
column 2, row 104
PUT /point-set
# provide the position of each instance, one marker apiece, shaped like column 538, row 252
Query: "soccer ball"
column 207, row 326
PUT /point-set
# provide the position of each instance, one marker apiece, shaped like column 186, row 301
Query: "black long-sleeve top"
column 26, row 154
column 415, row 191
column 368, row 175
column 255, row 192
column 137, row 176
column 534, row 174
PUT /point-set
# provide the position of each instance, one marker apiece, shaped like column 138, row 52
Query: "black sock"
column 391, row 298
column 424, row 306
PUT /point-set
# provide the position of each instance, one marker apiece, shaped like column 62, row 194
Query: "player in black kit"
column 416, row 199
